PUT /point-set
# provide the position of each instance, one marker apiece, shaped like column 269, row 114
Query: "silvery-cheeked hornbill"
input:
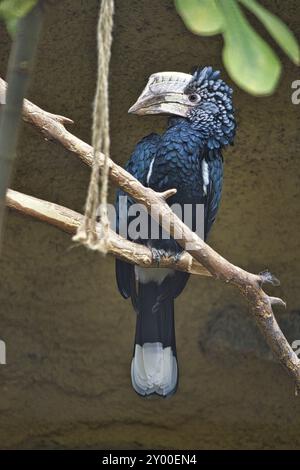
column 188, row 157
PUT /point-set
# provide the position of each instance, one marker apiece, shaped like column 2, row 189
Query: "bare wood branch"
column 250, row 285
column 69, row 221
column 168, row 193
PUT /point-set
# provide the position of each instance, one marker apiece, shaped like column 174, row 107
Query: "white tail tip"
column 154, row 370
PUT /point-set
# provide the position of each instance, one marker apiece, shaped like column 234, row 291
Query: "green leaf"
column 12, row 10
column 249, row 60
column 277, row 28
column 200, row 16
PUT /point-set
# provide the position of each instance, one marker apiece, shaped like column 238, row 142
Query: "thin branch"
column 168, row 193
column 19, row 67
column 250, row 285
column 69, row 221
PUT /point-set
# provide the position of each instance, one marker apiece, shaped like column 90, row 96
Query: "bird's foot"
column 175, row 257
column 158, row 254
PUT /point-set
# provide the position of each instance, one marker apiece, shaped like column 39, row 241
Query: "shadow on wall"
column 232, row 331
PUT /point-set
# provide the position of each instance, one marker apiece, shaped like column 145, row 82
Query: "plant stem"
column 19, row 66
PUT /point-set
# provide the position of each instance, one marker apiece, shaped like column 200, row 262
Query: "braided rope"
column 86, row 233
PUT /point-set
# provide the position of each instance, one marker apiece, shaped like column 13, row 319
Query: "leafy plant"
column 12, row 10
column 248, row 58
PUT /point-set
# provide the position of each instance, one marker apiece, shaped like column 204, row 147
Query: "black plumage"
column 188, row 157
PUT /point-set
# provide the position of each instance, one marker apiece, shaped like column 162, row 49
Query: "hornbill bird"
column 187, row 157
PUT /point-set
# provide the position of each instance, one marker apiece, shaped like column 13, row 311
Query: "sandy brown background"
column 69, row 334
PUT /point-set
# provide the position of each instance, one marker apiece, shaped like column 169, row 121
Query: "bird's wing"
column 215, row 166
column 138, row 165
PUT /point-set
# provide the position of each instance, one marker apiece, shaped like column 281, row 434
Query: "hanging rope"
column 87, row 233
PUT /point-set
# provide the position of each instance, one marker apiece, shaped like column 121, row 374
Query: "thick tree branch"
column 250, row 285
column 69, row 221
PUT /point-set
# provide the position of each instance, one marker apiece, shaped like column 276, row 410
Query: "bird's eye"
column 194, row 98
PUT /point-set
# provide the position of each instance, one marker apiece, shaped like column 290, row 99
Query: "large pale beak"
column 164, row 94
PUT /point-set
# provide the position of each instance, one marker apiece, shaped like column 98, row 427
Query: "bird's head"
column 203, row 99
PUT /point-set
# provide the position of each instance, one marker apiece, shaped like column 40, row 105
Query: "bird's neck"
column 182, row 129
column 176, row 121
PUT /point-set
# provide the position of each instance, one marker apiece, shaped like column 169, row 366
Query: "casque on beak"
column 164, row 94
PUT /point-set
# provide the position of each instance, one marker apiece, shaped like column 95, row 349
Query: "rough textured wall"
column 69, row 334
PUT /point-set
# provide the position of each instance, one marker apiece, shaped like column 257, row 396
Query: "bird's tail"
column 154, row 365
